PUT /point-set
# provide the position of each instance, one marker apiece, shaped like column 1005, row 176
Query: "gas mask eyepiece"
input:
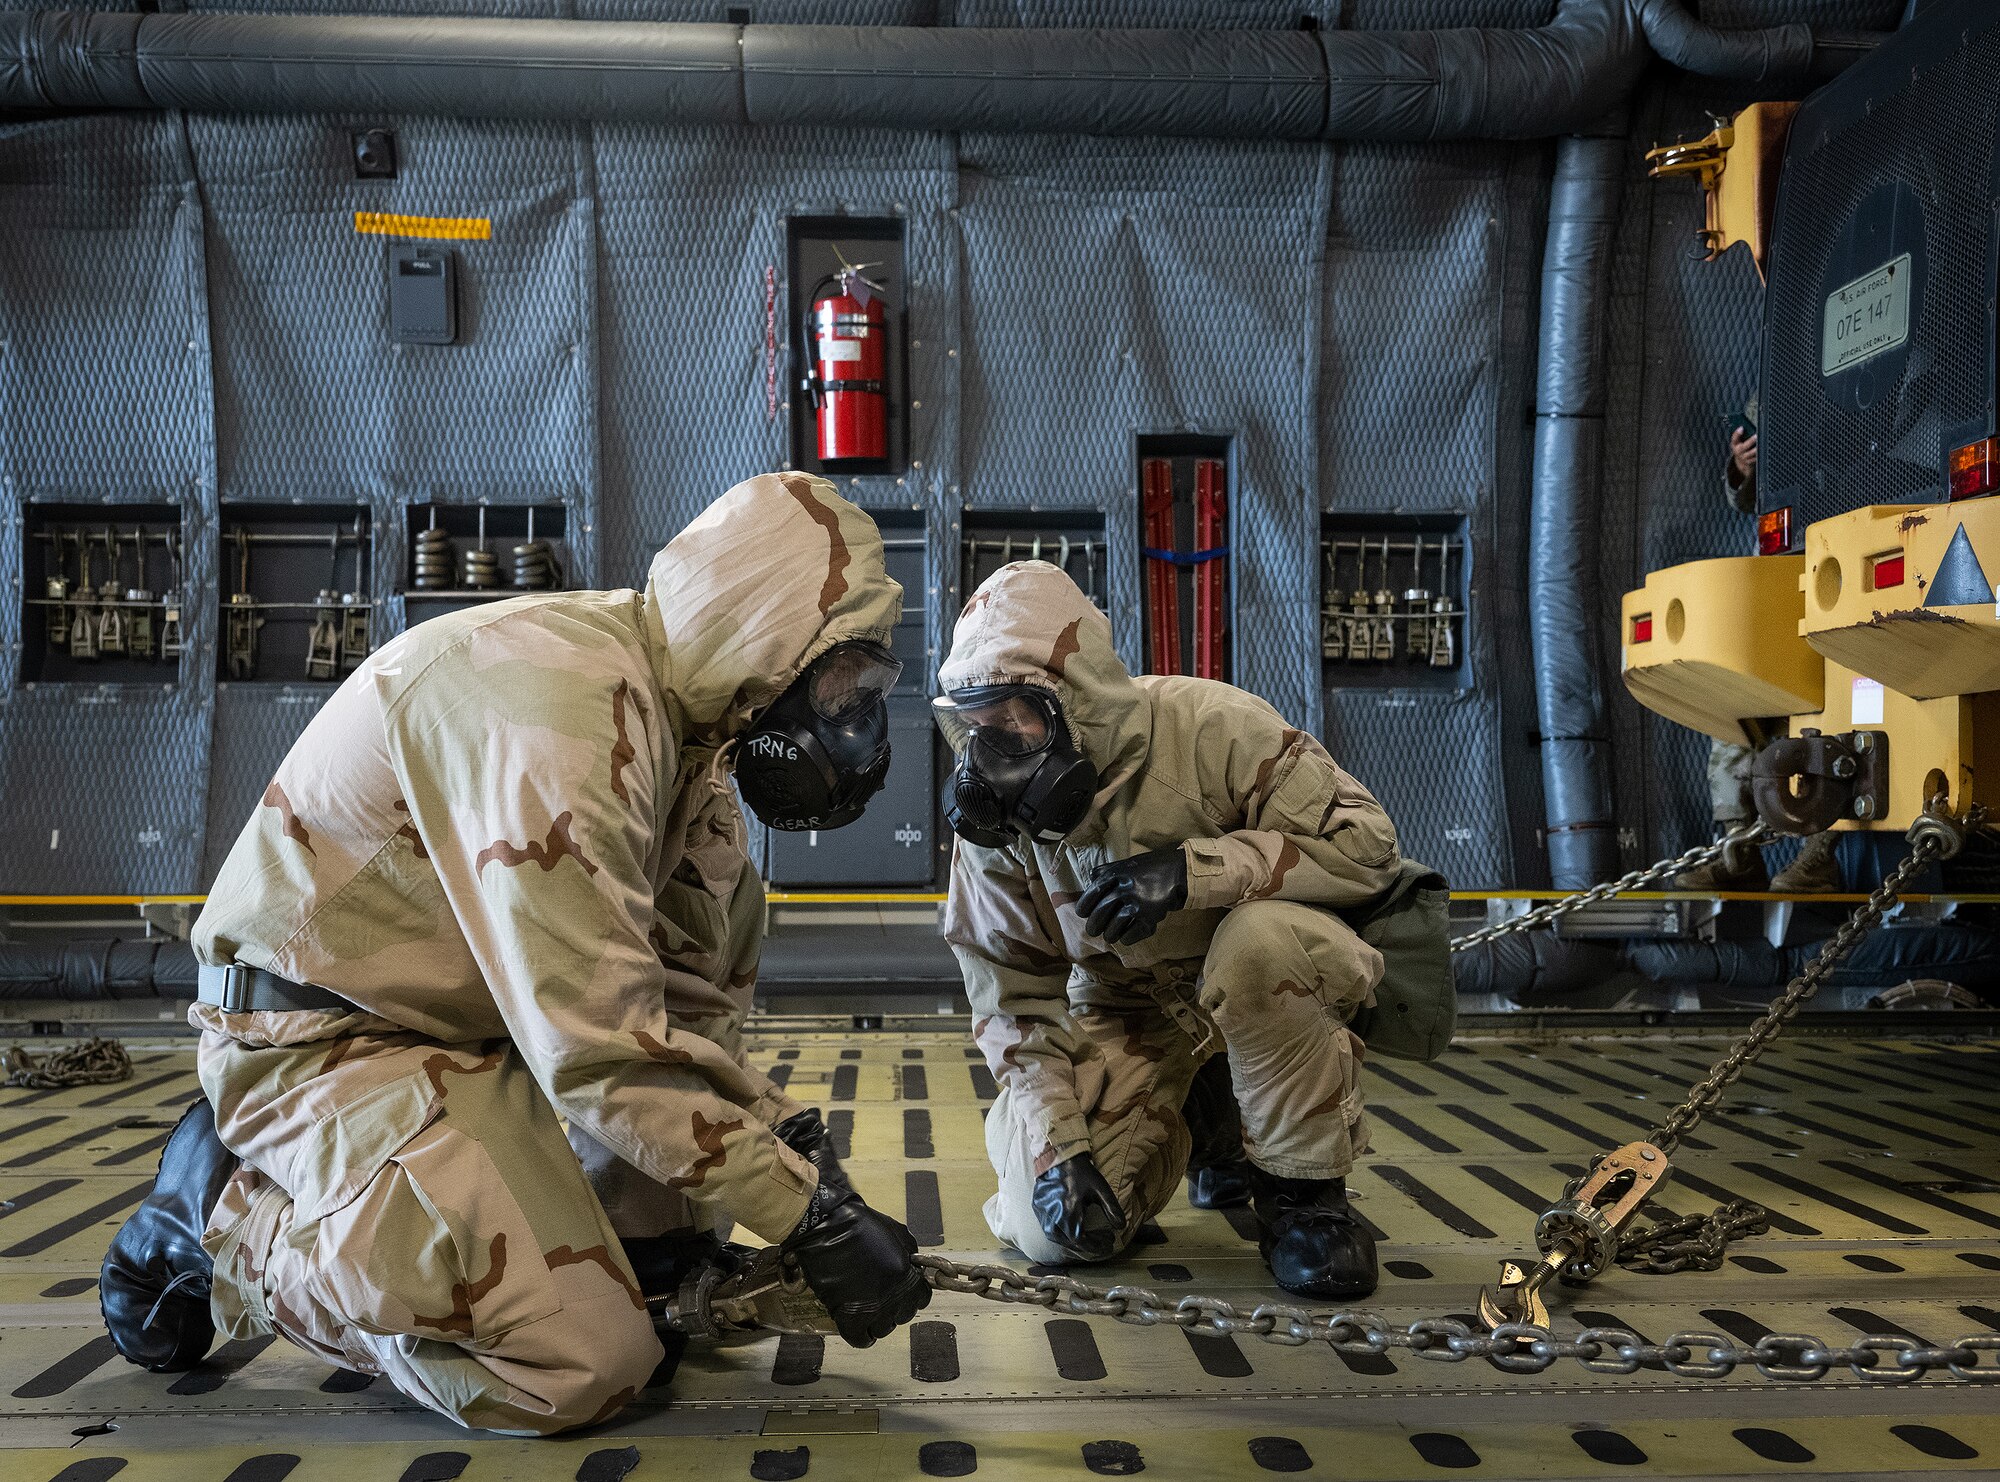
column 820, row 751
column 1019, row 769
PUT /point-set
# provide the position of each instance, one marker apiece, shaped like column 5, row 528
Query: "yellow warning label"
column 446, row 228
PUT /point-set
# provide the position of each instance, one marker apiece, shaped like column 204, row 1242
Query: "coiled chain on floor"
column 95, row 1062
column 1694, row 1242
column 1743, row 836
column 1520, row 1348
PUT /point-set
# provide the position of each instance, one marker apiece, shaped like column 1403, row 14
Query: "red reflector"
column 1888, row 570
column 1774, row 531
column 1975, row 468
column 1642, row 629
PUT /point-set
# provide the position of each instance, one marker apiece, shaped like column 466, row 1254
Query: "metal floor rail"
column 1880, row 1161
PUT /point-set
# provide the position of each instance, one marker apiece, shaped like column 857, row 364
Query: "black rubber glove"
column 806, row 1135
column 857, row 1261
column 1127, row 900
column 1077, row 1209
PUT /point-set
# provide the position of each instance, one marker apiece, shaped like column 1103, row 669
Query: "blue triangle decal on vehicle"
column 1960, row 579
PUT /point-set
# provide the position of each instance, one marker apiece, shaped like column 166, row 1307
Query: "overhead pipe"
column 1565, row 494
column 1402, row 86
column 1768, row 54
column 1408, row 86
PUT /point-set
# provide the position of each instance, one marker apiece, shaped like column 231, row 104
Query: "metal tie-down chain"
column 1742, row 837
column 1521, row 1348
column 1698, row 1241
column 769, row 1294
column 95, row 1062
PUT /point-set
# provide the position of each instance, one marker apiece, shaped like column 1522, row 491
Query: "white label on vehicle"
column 840, row 349
column 1865, row 709
column 1866, row 318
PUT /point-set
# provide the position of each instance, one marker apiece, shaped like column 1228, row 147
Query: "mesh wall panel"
column 689, row 223
column 1116, row 287
column 1407, row 423
column 313, row 399
column 106, row 392
column 101, row 297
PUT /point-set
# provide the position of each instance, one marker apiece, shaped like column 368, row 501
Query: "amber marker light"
column 1774, row 531
column 1975, row 468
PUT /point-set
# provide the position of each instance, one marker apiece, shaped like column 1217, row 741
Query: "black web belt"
column 237, row 989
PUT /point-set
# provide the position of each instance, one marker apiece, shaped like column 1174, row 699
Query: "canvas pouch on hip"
column 1416, row 1003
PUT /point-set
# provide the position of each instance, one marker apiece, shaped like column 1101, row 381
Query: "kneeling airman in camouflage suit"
column 1143, row 887
column 508, row 848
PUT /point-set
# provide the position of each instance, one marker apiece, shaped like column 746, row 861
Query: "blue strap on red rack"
column 1176, row 558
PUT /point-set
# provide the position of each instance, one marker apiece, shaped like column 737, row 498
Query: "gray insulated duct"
column 92, row 969
column 1563, row 522
column 1382, row 85
column 1773, row 54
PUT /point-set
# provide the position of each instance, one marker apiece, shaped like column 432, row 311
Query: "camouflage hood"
column 1030, row 624
column 766, row 579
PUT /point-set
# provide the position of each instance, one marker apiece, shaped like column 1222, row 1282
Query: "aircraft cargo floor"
column 1879, row 1159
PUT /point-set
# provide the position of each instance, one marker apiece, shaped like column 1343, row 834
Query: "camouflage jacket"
column 1261, row 809
column 515, row 822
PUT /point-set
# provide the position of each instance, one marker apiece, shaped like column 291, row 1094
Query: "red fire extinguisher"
column 849, row 369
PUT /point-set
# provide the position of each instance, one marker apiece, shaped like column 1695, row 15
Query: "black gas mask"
column 820, row 750
column 1019, row 770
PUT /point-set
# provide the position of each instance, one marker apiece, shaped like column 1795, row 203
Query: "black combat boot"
column 1218, row 1173
column 153, row 1290
column 1312, row 1242
column 663, row 1262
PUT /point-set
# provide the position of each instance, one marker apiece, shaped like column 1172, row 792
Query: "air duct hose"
column 1772, row 54
column 94, row 969
column 1563, row 550
column 1405, row 86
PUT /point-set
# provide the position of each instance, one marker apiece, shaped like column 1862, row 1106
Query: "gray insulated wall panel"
column 1420, row 407
column 692, row 230
column 314, row 401
column 1123, row 287
column 696, row 335
column 1686, row 348
column 104, row 375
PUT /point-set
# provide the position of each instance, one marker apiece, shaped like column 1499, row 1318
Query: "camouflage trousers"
column 1278, row 985
column 412, row 1209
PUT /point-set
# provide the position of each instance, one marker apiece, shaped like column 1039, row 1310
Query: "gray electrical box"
column 423, row 295
column 894, row 843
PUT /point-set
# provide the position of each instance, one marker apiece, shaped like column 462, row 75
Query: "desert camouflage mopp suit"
column 1094, row 1047
column 509, row 840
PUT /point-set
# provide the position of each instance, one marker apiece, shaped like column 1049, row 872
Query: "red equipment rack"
column 1163, row 592
column 1211, row 522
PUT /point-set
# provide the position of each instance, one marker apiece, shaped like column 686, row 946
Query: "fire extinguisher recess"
column 848, row 369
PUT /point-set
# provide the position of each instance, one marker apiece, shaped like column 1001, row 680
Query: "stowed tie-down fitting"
column 1807, row 783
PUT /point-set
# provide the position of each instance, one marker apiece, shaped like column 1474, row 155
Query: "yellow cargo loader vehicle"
column 1859, row 651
